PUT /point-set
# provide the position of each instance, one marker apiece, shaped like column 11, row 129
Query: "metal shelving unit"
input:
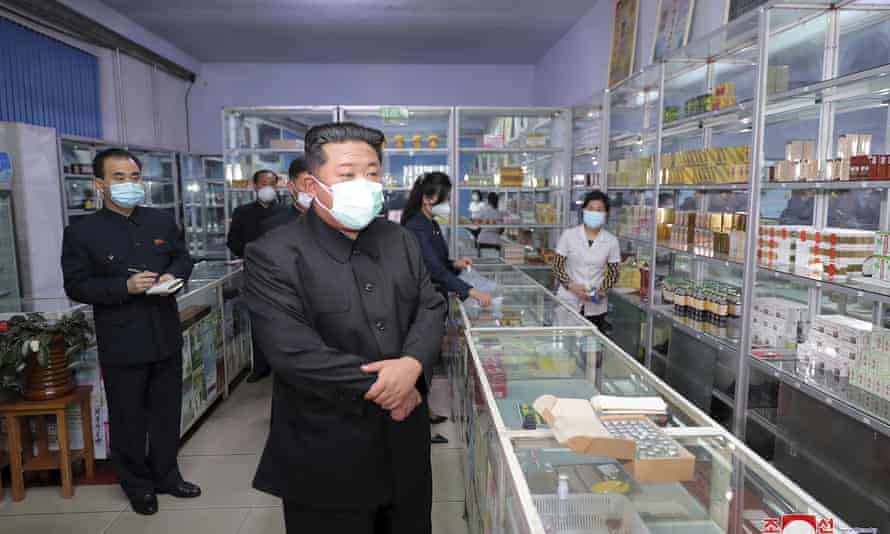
column 159, row 173
column 534, row 141
column 843, row 90
column 204, row 206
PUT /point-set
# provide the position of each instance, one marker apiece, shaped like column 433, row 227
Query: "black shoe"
column 145, row 505
column 438, row 439
column 256, row 377
column 183, row 490
column 437, row 419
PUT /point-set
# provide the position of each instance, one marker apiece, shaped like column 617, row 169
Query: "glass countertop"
column 605, row 491
column 507, row 278
column 522, row 366
column 523, row 307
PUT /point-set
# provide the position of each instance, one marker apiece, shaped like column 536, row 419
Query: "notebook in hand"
column 166, row 288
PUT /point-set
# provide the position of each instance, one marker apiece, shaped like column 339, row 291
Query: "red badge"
column 160, row 242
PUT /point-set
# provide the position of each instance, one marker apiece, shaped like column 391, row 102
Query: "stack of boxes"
column 838, row 344
column 881, row 266
column 721, row 233
column 630, row 172
column 511, row 176
column 727, row 165
column 631, row 221
column 777, row 322
column 871, row 372
column 683, row 229
column 837, row 251
column 513, row 254
column 800, row 163
column 777, row 245
column 853, row 162
column 545, row 213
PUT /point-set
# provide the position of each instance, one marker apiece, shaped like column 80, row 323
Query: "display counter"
column 216, row 345
column 520, row 479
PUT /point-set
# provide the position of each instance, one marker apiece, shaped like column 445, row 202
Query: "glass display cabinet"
column 159, row 173
column 257, row 138
column 161, row 177
column 519, row 159
column 204, row 206
column 587, row 138
column 9, row 271
column 418, row 140
column 519, row 478
column 771, row 198
column 76, row 158
column 208, row 305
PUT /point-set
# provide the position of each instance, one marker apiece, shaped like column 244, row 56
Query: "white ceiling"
column 359, row 31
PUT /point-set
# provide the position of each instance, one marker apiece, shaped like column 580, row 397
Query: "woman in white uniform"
column 587, row 260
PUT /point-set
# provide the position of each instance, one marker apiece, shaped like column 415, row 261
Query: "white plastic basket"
column 584, row 514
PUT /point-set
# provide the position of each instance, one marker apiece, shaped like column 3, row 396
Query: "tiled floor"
column 221, row 456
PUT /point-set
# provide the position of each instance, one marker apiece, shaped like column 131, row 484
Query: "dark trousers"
column 145, row 400
column 599, row 321
column 260, row 365
column 405, row 518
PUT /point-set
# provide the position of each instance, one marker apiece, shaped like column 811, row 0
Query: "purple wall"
column 259, row 84
column 578, row 65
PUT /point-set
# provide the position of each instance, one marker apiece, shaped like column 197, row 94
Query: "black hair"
column 297, row 167
column 111, row 153
column 431, row 184
column 259, row 173
column 493, row 200
column 596, row 194
column 339, row 132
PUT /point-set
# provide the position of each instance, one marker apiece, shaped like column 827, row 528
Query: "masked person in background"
column 109, row 260
column 587, row 261
column 248, row 224
column 297, row 175
column 430, row 198
column 352, row 327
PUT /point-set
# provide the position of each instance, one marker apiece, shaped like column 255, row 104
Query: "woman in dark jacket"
column 430, row 198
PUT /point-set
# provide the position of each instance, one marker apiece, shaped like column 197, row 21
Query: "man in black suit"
column 296, row 185
column 247, row 226
column 352, row 327
column 109, row 260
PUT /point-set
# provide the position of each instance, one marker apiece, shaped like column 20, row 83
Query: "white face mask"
column 267, row 194
column 355, row 203
column 441, row 210
column 304, row 200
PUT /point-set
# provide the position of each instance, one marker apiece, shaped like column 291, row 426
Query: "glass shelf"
column 523, row 308
column 835, row 391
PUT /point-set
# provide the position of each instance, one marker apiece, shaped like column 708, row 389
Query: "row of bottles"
column 711, row 302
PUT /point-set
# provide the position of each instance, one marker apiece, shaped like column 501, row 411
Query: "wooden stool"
column 21, row 442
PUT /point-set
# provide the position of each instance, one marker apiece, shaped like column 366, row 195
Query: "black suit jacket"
column 97, row 250
column 247, row 224
column 321, row 306
column 283, row 216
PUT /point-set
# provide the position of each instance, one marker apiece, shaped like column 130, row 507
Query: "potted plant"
column 44, row 352
column 12, row 363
